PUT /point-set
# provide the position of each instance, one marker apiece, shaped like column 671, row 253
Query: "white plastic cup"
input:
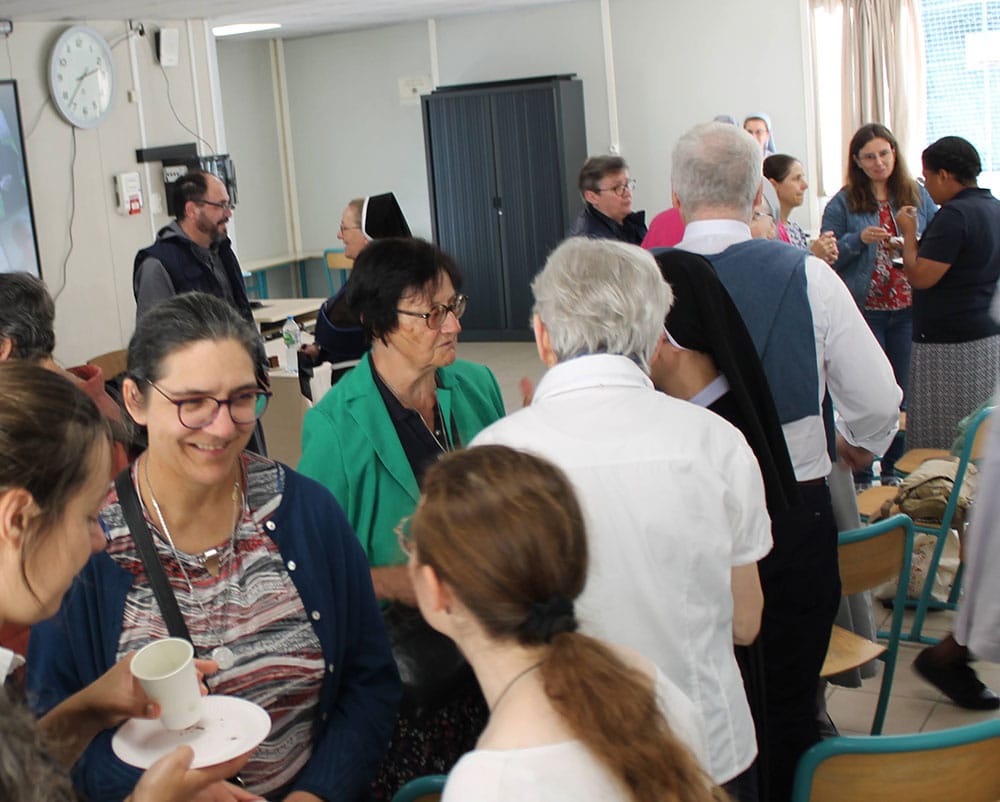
column 165, row 669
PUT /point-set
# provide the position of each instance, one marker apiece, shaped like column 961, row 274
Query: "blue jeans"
column 894, row 331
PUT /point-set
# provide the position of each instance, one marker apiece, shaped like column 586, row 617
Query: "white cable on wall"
column 614, row 145
column 432, row 46
column 283, row 118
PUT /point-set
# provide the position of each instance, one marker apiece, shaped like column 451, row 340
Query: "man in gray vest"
column 813, row 343
column 193, row 252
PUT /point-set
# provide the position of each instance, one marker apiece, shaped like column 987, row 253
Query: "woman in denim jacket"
column 862, row 215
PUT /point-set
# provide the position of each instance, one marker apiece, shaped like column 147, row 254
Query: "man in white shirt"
column 812, row 342
column 672, row 494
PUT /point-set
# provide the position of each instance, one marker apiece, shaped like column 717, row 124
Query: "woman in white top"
column 498, row 553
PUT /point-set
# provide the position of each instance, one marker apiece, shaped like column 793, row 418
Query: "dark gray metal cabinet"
column 502, row 163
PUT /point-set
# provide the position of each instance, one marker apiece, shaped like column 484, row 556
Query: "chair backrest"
column 422, row 789
column 335, row 260
column 957, row 764
column 974, row 442
column 875, row 554
column 112, row 364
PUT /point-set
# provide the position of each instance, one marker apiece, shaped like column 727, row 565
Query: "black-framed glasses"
column 619, row 189
column 225, row 205
column 197, row 412
column 439, row 312
column 405, row 536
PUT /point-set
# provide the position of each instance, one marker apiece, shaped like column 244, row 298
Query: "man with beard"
column 193, row 252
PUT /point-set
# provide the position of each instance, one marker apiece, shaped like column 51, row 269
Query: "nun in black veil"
column 709, row 359
column 338, row 330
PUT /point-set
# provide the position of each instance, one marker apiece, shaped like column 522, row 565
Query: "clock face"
column 82, row 76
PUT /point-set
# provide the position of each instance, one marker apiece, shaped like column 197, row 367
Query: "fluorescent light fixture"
column 244, row 27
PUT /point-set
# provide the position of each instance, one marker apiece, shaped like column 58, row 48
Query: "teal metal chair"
column 869, row 557
column 422, row 789
column 957, row 765
column 970, row 446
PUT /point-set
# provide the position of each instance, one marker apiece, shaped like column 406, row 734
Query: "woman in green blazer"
column 374, row 433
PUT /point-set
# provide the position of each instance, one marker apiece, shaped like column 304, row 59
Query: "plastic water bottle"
column 292, row 336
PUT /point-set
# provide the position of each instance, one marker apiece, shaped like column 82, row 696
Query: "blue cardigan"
column 360, row 692
column 856, row 262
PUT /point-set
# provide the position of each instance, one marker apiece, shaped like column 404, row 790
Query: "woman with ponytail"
column 498, row 553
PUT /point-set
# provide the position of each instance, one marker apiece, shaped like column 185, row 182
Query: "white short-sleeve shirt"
column 673, row 500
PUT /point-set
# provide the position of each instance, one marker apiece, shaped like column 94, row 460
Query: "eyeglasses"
column 405, row 536
column 871, row 158
column 758, row 215
column 225, row 205
column 439, row 312
column 344, row 228
column 198, row 412
column 619, row 189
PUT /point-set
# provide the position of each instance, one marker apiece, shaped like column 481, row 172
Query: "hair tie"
column 547, row 619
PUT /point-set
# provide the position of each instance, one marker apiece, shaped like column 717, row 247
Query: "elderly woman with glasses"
column 268, row 578
column 374, row 434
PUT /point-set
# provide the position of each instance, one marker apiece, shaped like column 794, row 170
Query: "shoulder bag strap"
column 143, row 538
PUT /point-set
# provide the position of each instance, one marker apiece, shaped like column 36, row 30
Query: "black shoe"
column 957, row 681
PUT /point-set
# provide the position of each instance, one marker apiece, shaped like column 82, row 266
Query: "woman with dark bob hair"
column 498, row 554
column 372, row 436
column 953, row 271
column 54, row 474
column 864, row 216
column 267, row 575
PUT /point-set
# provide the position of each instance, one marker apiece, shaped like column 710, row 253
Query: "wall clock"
column 82, row 76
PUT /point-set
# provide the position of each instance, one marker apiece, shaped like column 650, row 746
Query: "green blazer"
column 350, row 446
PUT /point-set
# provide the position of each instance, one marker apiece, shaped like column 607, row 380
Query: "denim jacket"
column 857, row 260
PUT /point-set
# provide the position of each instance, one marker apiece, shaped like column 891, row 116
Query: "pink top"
column 666, row 230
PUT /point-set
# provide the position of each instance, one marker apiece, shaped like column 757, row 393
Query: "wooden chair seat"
column 916, row 457
column 847, row 651
column 870, row 501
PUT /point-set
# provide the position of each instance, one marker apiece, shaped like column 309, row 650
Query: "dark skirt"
column 431, row 743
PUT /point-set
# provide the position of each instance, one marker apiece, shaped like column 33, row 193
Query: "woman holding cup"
column 53, row 480
column 266, row 573
column 862, row 215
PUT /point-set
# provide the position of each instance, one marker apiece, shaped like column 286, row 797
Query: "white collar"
column 9, row 663
column 713, row 233
column 589, row 371
column 711, row 392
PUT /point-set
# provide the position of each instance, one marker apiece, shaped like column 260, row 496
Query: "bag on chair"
column 923, row 495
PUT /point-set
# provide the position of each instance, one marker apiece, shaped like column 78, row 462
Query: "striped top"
column 252, row 607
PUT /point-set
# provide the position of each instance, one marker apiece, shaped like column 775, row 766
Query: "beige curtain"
column 883, row 68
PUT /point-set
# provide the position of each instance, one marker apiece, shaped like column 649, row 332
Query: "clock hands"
column 79, row 84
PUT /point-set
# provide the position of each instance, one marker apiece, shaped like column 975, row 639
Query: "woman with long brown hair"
column 863, row 216
column 498, row 553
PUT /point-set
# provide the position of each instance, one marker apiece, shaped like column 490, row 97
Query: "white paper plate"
column 229, row 726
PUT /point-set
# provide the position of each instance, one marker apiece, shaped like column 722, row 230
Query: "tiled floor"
column 914, row 705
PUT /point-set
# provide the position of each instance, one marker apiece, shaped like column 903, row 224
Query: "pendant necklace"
column 221, row 654
column 512, row 683
column 444, row 445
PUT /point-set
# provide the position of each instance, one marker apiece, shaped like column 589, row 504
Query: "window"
column 962, row 40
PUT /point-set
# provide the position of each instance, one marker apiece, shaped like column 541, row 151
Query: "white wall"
column 351, row 134
column 248, row 105
column 95, row 311
column 675, row 64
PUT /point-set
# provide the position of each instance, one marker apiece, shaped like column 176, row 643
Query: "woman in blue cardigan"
column 862, row 216
column 266, row 572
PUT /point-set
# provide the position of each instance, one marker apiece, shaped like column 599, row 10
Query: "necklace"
column 512, row 683
column 445, row 443
column 221, row 654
